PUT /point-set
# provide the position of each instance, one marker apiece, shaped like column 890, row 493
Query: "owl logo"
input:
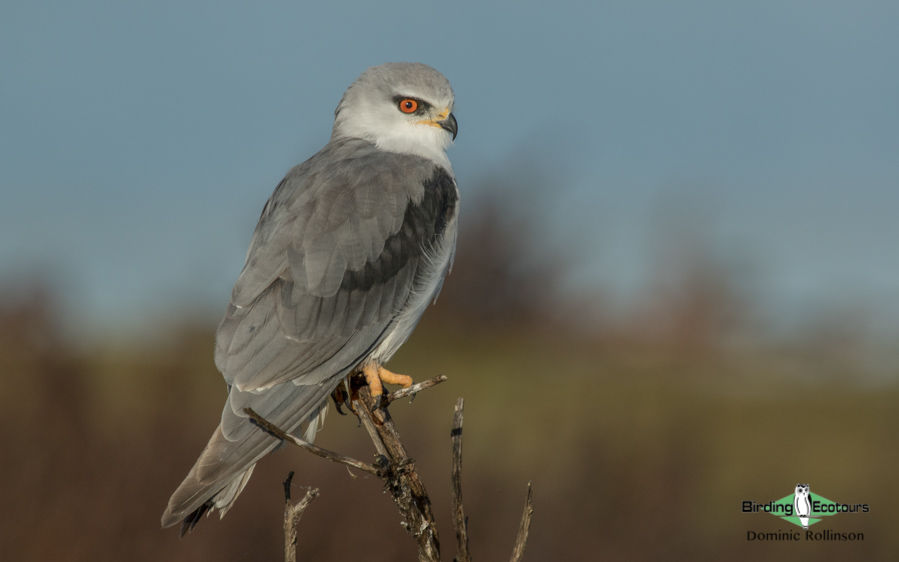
column 802, row 505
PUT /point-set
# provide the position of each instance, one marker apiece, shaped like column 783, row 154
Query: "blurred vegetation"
column 642, row 436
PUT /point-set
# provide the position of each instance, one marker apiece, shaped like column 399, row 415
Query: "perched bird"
column 350, row 249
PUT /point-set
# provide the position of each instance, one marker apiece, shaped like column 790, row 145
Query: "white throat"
column 393, row 134
column 420, row 140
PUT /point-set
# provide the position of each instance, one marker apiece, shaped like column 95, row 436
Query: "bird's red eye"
column 408, row 105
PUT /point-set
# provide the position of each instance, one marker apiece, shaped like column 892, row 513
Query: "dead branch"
column 460, row 522
column 292, row 513
column 405, row 486
column 277, row 432
column 412, row 390
column 398, row 470
column 523, row 529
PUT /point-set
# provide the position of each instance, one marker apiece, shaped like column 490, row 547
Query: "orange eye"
column 408, row 105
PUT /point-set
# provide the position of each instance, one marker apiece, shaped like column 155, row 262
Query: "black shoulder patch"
column 439, row 201
column 423, row 224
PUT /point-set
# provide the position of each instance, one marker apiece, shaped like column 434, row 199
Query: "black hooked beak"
column 449, row 124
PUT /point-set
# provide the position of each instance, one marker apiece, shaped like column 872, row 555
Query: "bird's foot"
column 376, row 376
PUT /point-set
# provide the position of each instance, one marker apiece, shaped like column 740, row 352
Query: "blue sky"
column 139, row 140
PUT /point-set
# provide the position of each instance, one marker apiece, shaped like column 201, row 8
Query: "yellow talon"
column 375, row 375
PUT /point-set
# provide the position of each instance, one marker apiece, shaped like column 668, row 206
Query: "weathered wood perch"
column 460, row 522
column 292, row 513
column 397, row 469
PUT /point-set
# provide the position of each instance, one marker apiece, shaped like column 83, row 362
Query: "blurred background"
column 676, row 286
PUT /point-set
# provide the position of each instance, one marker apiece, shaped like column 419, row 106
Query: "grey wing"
column 333, row 262
column 348, row 248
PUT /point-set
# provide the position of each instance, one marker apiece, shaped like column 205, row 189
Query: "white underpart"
column 420, row 139
column 315, row 421
column 398, row 133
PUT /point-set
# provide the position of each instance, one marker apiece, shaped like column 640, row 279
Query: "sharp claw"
column 337, row 392
column 377, row 405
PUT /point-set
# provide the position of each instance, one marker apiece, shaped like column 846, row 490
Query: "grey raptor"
column 350, row 249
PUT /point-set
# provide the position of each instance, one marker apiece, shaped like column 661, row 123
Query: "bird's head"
column 401, row 107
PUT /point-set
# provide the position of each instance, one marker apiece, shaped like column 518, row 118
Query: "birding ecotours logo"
column 803, row 508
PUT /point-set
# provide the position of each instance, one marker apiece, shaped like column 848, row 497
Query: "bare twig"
column 412, row 390
column 405, row 486
column 523, row 529
column 369, row 426
column 398, row 470
column 460, row 521
column 277, row 433
column 292, row 513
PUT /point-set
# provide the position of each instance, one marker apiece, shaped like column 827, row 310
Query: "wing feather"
column 351, row 264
